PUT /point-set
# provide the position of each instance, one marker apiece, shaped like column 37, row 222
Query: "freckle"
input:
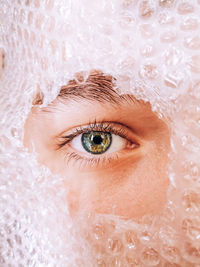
column 192, row 42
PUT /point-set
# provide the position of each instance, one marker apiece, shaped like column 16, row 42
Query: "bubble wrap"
column 152, row 48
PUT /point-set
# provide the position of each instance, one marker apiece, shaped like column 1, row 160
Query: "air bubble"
column 30, row 17
column 127, row 3
column 146, row 9
column 191, row 226
column 185, row 8
column 50, row 24
column 170, row 253
column 39, row 21
column 166, row 3
column 127, row 63
column 37, row 3
column 49, row 4
column 174, row 79
column 2, row 63
column 168, row 235
column 165, row 18
column 169, row 264
column 147, row 30
column 147, row 50
column 131, row 240
column 115, row 262
column 99, row 231
column 168, row 36
column 133, row 261
column 195, row 91
column 53, row 46
column 195, row 63
column 191, row 252
column 114, row 246
column 145, row 237
column 150, row 257
column 192, row 42
column 149, row 71
column 191, row 169
column 191, row 201
column 32, row 37
column 101, row 263
column 189, row 24
column 26, row 35
column 173, row 56
column 169, row 212
column 22, row 16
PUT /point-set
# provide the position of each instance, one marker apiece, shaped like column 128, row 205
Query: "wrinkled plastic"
column 152, row 48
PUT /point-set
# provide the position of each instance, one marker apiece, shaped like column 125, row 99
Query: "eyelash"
column 102, row 126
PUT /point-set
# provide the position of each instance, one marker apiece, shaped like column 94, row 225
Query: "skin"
column 132, row 183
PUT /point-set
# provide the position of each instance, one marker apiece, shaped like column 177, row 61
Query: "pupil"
column 97, row 140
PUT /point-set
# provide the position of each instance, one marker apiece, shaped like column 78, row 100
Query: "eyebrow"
column 98, row 87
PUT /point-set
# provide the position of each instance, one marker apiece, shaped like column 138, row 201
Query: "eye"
column 98, row 142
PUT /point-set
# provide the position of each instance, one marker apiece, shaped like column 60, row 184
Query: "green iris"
column 96, row 142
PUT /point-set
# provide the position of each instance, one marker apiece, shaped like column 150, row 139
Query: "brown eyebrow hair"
column 97, row 87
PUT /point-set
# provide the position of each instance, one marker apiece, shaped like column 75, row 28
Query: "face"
column 113, row 159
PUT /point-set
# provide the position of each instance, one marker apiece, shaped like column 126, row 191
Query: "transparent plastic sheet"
column 152, row 48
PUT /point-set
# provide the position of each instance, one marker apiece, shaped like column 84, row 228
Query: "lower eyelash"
column 91, row 162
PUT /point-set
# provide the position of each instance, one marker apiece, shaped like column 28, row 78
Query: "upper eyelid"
column 93, row 124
